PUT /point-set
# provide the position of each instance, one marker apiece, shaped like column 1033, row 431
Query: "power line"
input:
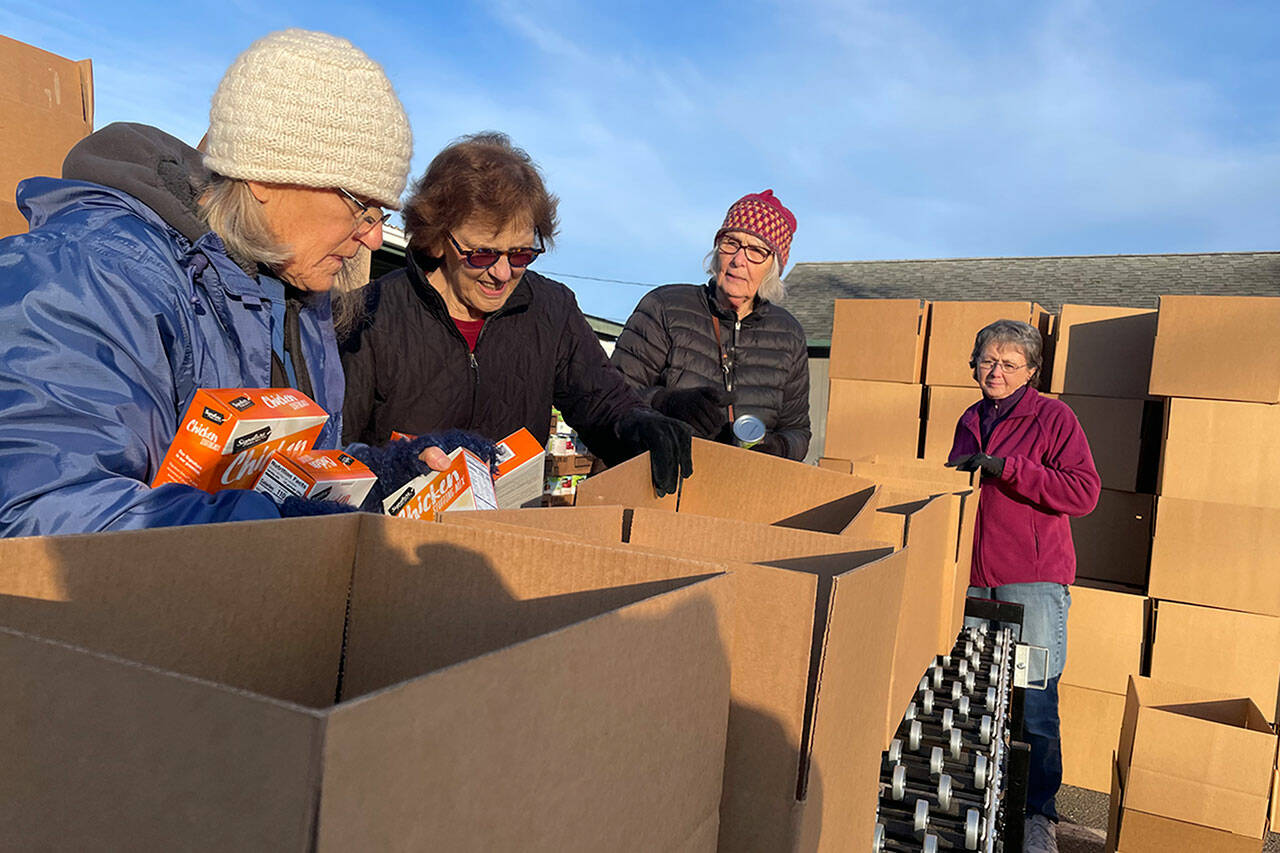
column 594, row 278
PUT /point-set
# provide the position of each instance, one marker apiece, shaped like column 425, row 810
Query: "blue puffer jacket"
column 110, row 319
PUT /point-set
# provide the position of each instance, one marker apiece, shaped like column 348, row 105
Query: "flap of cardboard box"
column 1104, row 351
column 1195, row 754
column 1196, row 334
column 878, row 339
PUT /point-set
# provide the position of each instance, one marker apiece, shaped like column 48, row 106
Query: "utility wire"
column 594, row 278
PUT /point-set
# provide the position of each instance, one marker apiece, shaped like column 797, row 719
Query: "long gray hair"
column 1024, row 336
column 232, row 211
column 772, row 287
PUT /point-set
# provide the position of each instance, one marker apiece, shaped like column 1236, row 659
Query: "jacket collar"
column 1027, row 407
column 758, row 312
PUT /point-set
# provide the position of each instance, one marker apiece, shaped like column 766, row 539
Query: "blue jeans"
column 1044, row 623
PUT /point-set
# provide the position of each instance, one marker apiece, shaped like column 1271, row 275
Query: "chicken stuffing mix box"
column 466, row 484
column 359, row 682
column 318, row 475
column 227, row 435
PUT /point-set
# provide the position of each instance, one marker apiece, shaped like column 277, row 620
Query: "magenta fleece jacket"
column 1023, row 532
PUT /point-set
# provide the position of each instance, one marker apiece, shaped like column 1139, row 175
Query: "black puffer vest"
column 670, row 342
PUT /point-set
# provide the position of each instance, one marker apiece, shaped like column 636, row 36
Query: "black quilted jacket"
column 408, row 367
column 670, row 342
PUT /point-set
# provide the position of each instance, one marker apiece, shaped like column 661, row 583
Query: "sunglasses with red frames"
column 482, row 259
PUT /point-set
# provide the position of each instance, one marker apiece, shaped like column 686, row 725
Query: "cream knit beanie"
column 301, row 107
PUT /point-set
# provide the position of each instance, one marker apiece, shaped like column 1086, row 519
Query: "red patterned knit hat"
column 762, row 215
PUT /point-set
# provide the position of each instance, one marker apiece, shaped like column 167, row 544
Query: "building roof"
column 1129, row 280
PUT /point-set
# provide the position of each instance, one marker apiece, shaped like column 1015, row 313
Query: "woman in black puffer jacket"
column 708, row 353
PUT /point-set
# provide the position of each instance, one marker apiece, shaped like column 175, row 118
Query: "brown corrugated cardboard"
column 730, row 482
column 1125, row 453
column 814, row 659
column 878, row 339
column 1105, row 632
column 872, row 418
column 1090, row 722
column 1220, row 451
column 1195, row 756
column 1223, row 650
column 1145, row 833
column 1217, row 555
column 46, row 107
column 1103, row 351
column 953, row 327
column 1274, row 819
column 1113, row 543
column 496, row 691
column 1197, row 335
column 943, row 409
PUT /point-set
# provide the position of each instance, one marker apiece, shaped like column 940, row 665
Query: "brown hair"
column 481, row 176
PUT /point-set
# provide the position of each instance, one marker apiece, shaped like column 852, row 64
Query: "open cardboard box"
column 359, row 683
column 1105, row 633
column 1197, row 335
column 878, row 339
column 1113, row 542
column 943, row 407
column 1090, row 721
column 1221, row 451
column 1103, row 351
column 1217, row 555
column 1193, row 770
column 46, row 107
column 866, row 418
column 1224, row 650
column 953, row 326
column 816, row 656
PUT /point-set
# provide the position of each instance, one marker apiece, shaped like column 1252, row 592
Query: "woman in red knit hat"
column 707, row 354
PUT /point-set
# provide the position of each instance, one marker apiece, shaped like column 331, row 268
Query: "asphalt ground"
column 1083, row 826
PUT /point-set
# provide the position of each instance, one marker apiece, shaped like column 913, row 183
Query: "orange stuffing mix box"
column 318, row 475
column 466, row 484
column 228, row 434
column 520, row 467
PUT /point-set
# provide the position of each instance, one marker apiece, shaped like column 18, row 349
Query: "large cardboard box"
column 953, row 327
column 1193, row 770
column 1105, row 633
column 1217, row 555
column 816, row 648
column 1198, row 335
column 1237, row 653
column 46, row 107
column 175, row 689
column 943, row 408
column 1124, row 438
column 878, row 339
column 730, row 482
column 1090, row 724
column 1113, row 543
column 1220, row 451
column 1103, row 351
column 872, row 419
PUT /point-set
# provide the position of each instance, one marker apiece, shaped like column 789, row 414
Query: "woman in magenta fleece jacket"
column 1037, row 472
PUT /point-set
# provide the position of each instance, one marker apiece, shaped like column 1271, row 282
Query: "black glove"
column 773, row 444
column 991, row 466
column 668, row 441
column 704, row 408
column 296, row 507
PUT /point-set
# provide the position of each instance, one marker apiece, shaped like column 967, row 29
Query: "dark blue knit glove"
column 397, row 462
column 296, row 507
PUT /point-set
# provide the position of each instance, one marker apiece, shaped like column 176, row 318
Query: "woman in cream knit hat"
column 152, row 270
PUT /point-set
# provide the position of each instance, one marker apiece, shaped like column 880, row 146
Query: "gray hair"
column 1024, row 336
column 233, row 213
column 772, row 287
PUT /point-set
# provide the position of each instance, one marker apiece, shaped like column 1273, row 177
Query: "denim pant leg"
column 1044, row 623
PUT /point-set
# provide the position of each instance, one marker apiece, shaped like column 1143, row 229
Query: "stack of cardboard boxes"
column 1215, row 555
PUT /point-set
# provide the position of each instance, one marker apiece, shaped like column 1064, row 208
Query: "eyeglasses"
column 368, row 216
column 755, row 254
column 482, row 259
column 988, row 364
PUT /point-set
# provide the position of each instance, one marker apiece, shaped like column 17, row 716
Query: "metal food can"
column 748, row 430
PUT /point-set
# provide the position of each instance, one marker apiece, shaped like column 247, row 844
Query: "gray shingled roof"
column 1131, row 280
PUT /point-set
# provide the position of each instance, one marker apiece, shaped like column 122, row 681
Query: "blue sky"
column 892, row 130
